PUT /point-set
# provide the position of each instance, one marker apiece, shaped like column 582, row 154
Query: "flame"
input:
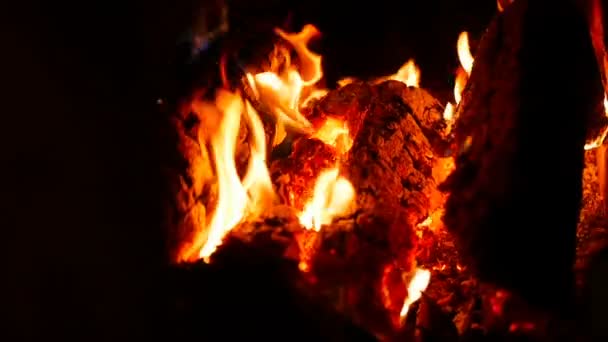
column 334, row 132
column 345, row 81
column 464, row 52
column 235, row 199
column 448, row 113
column 282, row 94
column 462, row 75
column 232, row 197
column 500, row 6
column 409, row 73
column 598, row 141
column 257, row 181
column 461, row 81
column 416, row 286
column 333, row 196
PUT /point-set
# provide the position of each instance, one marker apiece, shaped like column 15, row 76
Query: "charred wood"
column 248, row 292
column 517, row 155
column 294, row 176
column 391, row 160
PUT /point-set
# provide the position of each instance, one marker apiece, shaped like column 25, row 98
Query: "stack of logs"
column 518, row 144
column 397, row 132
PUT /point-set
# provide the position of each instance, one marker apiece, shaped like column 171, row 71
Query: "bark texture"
column 515, row 194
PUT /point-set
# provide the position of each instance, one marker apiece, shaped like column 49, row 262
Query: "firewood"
column 391, row 159
column 520, row 136
column 349, row 103
column 355, row 263
column 365, row 258
column 254, row 291
column 188, row 166
column 294, row 176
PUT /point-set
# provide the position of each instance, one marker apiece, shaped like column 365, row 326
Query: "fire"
column 257, row 181
column 282, row 94
column 597, row 142
column 462, row 75
column 464, row 52
column 332, row 197
column 334, row 132
column 409, row 73
column 235, row 198
column 419, row 282
column 501, row 6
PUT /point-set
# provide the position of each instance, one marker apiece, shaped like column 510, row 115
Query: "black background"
column 80, row 180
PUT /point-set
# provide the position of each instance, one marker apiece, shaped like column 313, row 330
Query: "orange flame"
column 345, row 81
column 235, row 199
column 409, row 73
column 334, row 132
column 282, row 94
column 500, row 6
column 597, row 142
column 419, row 282
column 232, row 198
column 333, row 196
column 462, row 75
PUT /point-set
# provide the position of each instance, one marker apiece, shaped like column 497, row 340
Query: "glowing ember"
column 416, row 286
column 333, row 196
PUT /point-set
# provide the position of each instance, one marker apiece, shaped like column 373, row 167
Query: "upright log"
column 516, row 191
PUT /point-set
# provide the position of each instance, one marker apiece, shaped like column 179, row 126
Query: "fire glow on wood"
column 286, row 92
column 283, row 94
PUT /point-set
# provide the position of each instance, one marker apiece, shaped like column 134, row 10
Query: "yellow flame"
column 345, row 81
column 333, row 196
column 334, row 132
column 462, row 76
column 257, row 181
column 464, row 52
column 461, row 81
column 232, row 198
column 448, row 112
column 409, row 73
column 235, row 199
column 283, row 94
column 416, row 286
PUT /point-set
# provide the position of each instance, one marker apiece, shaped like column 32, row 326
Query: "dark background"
column 80, row 179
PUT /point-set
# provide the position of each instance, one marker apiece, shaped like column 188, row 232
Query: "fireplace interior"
column 396, row 172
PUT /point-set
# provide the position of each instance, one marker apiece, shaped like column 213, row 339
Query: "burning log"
column 507, row 168
column 356, row 264
column 391, row 160
column 362, row 259
column 307, row 159
column 254, row 286
column 192, row 175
